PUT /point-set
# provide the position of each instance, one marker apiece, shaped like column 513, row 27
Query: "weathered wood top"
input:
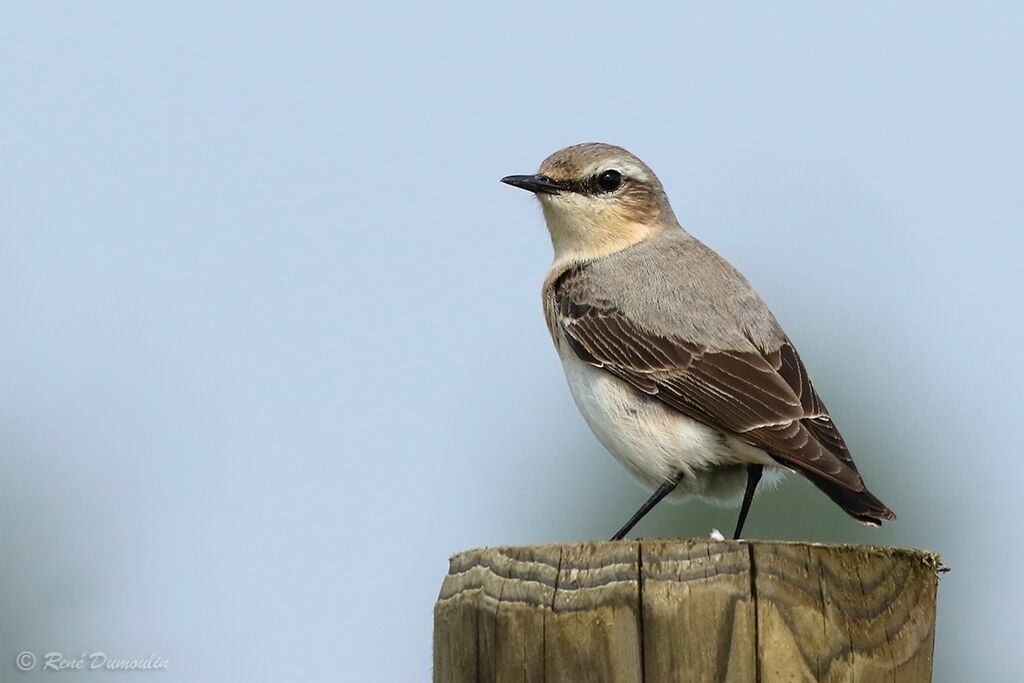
column 687, row 610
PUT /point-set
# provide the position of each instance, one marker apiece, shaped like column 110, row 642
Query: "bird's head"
column 597, row 199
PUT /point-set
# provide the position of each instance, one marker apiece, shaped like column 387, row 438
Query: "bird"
column 675, row 362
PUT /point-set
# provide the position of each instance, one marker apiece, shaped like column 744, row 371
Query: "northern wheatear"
column 674, row 360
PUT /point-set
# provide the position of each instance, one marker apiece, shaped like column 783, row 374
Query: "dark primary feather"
column 763, row 396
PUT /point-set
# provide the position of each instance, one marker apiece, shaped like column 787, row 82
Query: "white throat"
column 585, row 234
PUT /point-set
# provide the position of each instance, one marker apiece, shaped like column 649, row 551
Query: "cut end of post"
column 720, row 610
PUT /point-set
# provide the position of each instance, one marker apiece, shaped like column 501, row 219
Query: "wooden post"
column 686, row 610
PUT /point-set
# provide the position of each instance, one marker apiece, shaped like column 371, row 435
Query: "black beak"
column 534, row 183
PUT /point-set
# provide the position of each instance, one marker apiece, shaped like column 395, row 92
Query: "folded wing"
column 762, row 396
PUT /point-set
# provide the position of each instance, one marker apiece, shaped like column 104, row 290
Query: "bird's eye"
column 609, row 180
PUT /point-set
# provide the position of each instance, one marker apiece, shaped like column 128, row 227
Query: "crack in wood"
column 699, row 610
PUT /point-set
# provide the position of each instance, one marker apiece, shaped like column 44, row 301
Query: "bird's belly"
column 654, row 441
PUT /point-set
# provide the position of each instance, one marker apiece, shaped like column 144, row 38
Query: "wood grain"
column 686, row 610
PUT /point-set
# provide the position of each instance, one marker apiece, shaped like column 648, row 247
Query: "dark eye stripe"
column 588, row 185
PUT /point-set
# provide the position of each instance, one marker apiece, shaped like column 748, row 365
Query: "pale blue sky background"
column 271, row 345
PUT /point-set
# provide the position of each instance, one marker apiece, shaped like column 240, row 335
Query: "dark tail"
column 861, row 505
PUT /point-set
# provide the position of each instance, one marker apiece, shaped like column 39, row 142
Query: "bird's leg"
column 655, row 498
column 753, row 477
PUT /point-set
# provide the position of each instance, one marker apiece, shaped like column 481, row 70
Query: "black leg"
column 753, row 476
column 655, row 498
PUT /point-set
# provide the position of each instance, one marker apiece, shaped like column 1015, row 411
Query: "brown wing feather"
column 764, row 397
